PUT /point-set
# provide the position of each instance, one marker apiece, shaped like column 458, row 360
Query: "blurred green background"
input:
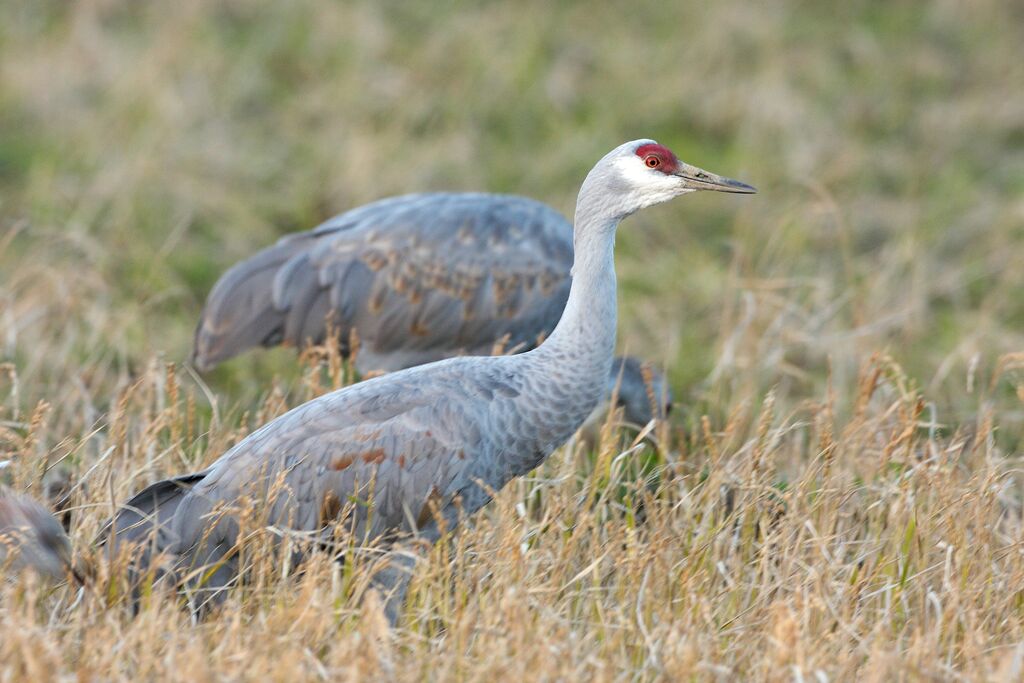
column 145, row 147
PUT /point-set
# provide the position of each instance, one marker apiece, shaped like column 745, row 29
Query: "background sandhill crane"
column 420, row 448
column 420, row 278
column 31, row 537
column 640, row 390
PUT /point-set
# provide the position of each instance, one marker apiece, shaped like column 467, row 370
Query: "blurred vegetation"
column 144, row 147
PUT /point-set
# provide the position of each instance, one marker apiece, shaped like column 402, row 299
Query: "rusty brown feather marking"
column 401, row 283
column 339, row 464
column 377, row 455
column 375, row 260
column 418, row 329
column 430, row 506
column 377, row 299
column 401, row 461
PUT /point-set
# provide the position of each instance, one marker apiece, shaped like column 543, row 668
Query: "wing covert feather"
column 420, row 277
column 392, row 439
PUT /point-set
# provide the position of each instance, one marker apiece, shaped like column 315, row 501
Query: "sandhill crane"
column 31, row 537
column 641, row 390
column 419, row 278
column 420, row 448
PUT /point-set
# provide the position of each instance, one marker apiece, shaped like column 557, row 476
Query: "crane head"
column 642, row 390
column 642, row 173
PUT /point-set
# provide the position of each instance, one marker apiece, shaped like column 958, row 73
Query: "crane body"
column 427, row 445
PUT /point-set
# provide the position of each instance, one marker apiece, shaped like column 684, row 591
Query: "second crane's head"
column 641, row 173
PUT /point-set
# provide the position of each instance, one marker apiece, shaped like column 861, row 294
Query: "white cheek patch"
column 635, row 172
column 646, row 186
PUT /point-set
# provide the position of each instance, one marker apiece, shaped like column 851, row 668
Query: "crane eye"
column 652, row 161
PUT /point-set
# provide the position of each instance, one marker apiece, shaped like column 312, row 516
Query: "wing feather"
column 242, row 310
column 397, row 445
column 420, row 277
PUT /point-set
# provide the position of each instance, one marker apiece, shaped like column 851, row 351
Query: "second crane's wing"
column 390, row 440
column 419, row 277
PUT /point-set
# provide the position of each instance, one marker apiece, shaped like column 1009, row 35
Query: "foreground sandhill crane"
column 420, row 278
column 419, row 448
column 31, row 537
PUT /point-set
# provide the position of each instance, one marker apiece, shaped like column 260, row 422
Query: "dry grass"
column 839, row 497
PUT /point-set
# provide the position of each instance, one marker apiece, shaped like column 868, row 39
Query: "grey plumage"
column 415, row 450
column 31, row 537
column 420, row 277
column 643, row 391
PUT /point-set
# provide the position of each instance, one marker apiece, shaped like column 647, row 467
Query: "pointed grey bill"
column 699, row 179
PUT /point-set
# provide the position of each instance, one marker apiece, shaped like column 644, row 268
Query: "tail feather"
column 241, row 311
column 145, row 521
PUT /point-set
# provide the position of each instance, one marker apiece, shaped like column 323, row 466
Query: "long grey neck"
column 567, row 376
column 569, row 372
column 585, row 334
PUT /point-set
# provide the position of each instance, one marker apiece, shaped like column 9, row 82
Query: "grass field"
column 839, row 495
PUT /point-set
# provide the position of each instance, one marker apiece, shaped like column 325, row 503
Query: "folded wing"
column 418, row 277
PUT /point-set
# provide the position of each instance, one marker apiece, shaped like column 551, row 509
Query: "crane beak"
column 698, row 179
